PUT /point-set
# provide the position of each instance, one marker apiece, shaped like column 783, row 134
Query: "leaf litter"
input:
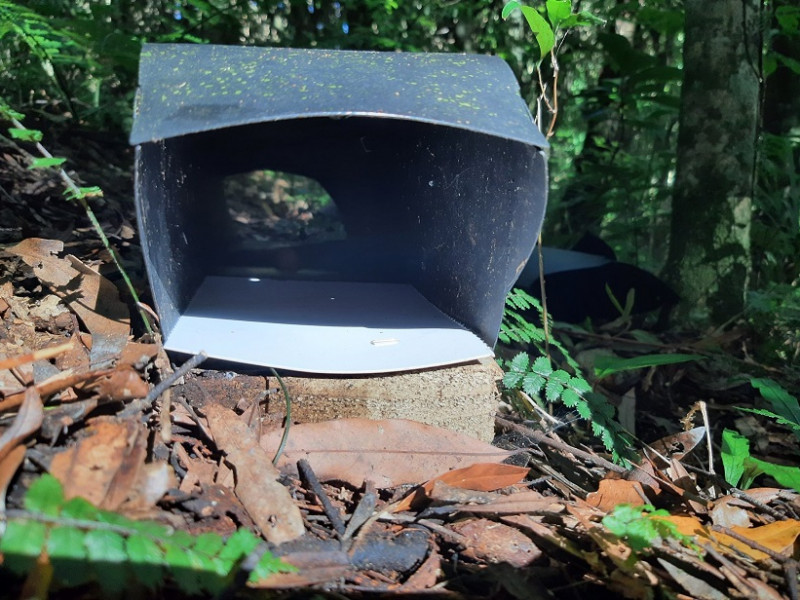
column 422, row 509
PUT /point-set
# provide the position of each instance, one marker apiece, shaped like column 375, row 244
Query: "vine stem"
column 80, row 195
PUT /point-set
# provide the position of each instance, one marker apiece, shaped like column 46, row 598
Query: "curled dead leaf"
column 108, row 468
column 267, row 501
column 28, row 419
column 87, row 293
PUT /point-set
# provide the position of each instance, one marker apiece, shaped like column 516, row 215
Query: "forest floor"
column 536, row 516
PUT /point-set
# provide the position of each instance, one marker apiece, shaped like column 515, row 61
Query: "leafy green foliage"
column 785, row 407
column 774, row 315
column 741, row 469
column 85, row 544
column 538, row 378
column 72, row 192
column 25, row 135
column 559, row 15
column 545, row 37
column 643, row 526
column 735, row 451
column 623, row 96
column 516, row 328
column 46, row 162
column 608, row 365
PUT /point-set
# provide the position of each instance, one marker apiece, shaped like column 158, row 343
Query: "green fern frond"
column 85, row 544
column 573, row 392
column 538, row 377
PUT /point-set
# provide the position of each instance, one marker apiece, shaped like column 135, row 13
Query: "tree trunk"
column 709, row 260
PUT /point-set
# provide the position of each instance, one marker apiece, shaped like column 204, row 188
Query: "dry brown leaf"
column 199, row 471
column 441, row 493
column 120, row 385
column 763, row 495
column 6, row 291
column 268, row 502
column 699, row 588
column 87, row 293
column 137, row 354
column 77, row 360
column 496, row 542
column 674, row 446
column 88, row 469
column 39, row 254
column 644, row 473
column 107, row 468
column 28, row 419
column 152, row 482
column 779, row 536
column 551, row 535
column 727, row 514
column 612, row 492
column 482, row 477
column 388, row 452
column 313, row 568
column 8, row 468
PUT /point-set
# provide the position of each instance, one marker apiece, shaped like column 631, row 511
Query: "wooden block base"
column 462, row 398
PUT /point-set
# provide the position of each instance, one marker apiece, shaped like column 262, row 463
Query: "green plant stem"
column 80, row 197
column 285, row 436
column 543, row 291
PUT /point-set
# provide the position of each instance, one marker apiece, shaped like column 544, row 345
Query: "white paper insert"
column 321, row 327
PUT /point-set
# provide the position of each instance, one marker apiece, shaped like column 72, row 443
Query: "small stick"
column 731, row 571
column 790, row 573
column 287, row 422
column 704, row 412
column 165, row 419
column 170, row 380
column 540, row 438
column 776, row 556
column 43, row 354
column 331, row 511
column 363, row 511
column 788, row 564
column 757, row 503
column 164, row 385
column 543, row 292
